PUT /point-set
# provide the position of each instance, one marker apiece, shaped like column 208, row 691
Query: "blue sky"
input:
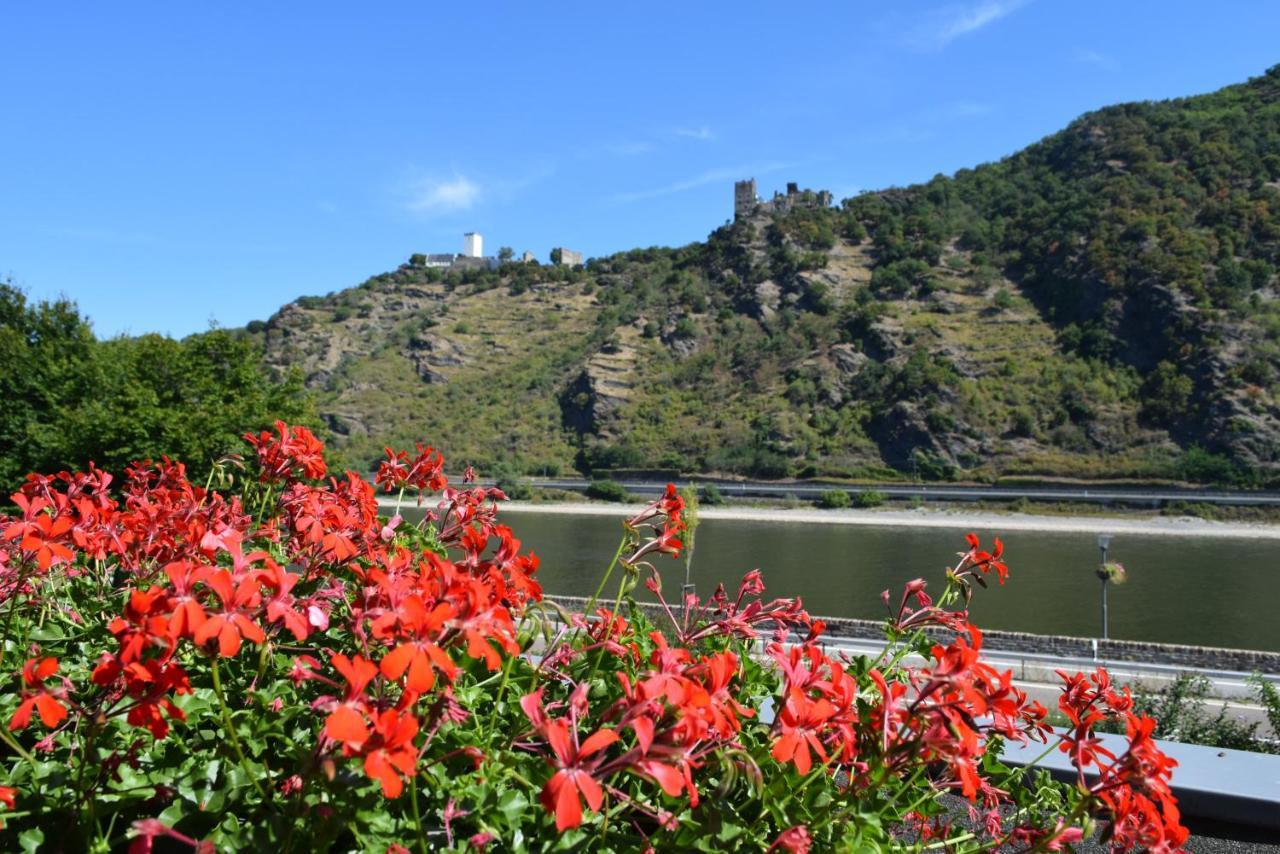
column 170, row 164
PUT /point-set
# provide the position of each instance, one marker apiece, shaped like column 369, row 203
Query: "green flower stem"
column 264, row 655
column 947, row 843
column 497, row 700
column 17, row 748
column 1052, row 747
column 417, row 816
column 918, row 802
column 622, row 544
column 604, row 821
column 84, row 763
column 617, row 604
column 911, row 781
column 520, row 777
column 231, row 732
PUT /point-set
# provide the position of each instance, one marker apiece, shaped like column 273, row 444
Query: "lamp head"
column 1104, row 540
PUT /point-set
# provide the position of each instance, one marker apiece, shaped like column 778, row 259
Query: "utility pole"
column 1104, row 540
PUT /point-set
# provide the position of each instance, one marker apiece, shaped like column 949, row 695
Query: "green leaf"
column 512, row 804
column 48, row 632
column 31, row 840
column 173, row 813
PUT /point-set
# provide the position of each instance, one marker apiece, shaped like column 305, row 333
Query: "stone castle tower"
column 744, row 197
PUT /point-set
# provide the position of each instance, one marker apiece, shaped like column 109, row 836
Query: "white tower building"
column 473, row 245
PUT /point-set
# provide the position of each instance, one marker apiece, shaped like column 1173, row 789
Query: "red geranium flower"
column 391, row 750
column 801, row 723
column 36, row 696
column 574, row 778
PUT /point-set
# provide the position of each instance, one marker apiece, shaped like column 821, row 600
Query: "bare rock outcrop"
column 431, row 353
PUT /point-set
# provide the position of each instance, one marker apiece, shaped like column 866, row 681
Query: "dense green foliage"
column 833, row 499
column 67, row 398
column 1138, row 230
column 608, row 490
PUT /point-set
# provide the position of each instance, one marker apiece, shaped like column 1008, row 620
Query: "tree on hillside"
column 70, row 399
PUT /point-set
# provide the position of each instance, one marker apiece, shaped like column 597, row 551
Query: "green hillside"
column 1102, row 304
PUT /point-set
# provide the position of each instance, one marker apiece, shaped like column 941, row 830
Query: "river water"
column 1180, row 589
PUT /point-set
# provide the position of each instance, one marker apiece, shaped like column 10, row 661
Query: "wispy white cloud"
column 941, row 27
column 702, row 133
column 711, row 176
column 432, row 197
column 1093, row 57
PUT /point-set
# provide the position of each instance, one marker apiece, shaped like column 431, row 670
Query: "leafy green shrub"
column 834, row 499
column 608, row 490
column 1167, row 394
column 1182, row 714
column 509, row 480
column 710, row 495
column 1200, row 466
column 930, row 466
column 869, row 498
column 901, row 279
column 1269, row 699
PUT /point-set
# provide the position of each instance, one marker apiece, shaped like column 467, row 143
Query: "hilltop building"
column 473, row 244
column 747, row 203
column 472, row 257
column 744, row 197
column 566, row 257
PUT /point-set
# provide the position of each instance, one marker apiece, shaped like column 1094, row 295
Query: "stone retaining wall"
column 1175, row 655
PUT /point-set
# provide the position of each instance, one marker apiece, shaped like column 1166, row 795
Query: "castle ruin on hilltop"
column 473, row 257
column 747, row 203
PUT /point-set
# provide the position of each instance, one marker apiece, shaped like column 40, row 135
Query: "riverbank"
column 985, row 522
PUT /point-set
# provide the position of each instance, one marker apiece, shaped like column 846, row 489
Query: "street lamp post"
column 1104, row 540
